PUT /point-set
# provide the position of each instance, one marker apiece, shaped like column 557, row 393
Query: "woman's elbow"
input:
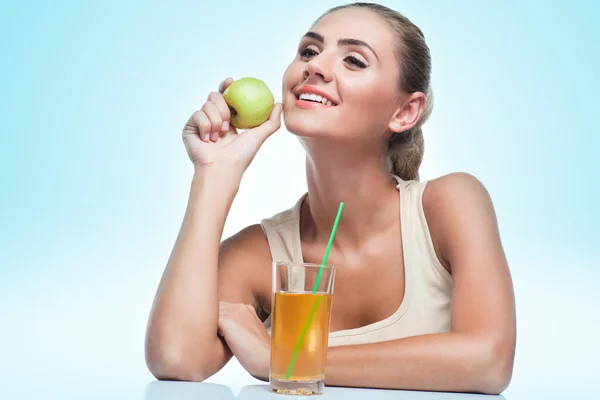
column 173, row 365
column 495, row 382
column 497, row 368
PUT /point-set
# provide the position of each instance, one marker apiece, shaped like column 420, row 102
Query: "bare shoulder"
column 245, row 267
column 459, row 212
column 248, row 242
column 454, row 189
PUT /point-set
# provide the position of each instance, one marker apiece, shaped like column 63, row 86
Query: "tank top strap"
column 283, row 234
column 417, row 239
column 410, row 198
column 282, row 231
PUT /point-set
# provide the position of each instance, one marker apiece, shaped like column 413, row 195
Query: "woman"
column 424, row 297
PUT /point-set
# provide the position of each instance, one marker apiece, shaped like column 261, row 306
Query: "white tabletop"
column 209, row 391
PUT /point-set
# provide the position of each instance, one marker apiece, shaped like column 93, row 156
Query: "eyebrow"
column 342, row 42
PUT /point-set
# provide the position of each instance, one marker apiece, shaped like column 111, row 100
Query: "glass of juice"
column 300, row 326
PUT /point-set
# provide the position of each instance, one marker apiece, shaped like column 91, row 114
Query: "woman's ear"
column 407, row 115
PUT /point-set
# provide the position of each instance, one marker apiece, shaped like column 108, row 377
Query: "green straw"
column 318, row 300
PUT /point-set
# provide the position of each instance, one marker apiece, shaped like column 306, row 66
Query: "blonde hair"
column 405, row 149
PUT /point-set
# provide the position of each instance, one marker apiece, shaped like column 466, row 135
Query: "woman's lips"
column 306, row 104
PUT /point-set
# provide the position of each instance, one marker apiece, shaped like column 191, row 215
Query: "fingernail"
column 214, row 136
column 225, row 126
column 206, row 137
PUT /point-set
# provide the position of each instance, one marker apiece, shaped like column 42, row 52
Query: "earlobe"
column 406, row 117
column 397, row 126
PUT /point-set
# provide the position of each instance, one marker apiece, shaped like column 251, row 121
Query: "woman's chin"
column 306, row 127
column 308, row 133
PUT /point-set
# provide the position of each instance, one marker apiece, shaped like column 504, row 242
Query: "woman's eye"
column 307, row 52
column 355, row 61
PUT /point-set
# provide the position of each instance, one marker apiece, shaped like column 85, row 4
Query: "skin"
column 207, row 303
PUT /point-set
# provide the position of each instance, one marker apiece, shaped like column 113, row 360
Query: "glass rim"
column 303, row 264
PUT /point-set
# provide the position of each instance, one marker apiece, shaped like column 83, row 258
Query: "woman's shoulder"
column 257, row 234
column 457, row 205
column 455, row 193
column 457, row 185
column 249, row 243
column 261, row 240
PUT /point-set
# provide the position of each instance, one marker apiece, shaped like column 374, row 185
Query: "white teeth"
column 315, row 98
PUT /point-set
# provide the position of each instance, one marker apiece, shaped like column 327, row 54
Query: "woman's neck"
column 360, row 178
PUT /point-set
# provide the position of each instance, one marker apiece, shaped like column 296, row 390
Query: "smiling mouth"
column 315, row 98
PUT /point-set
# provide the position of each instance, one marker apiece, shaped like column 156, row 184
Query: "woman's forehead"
column 355, row 23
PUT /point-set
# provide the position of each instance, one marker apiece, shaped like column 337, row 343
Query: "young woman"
column 424, row 297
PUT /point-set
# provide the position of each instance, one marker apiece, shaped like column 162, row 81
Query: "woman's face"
column 343, row 81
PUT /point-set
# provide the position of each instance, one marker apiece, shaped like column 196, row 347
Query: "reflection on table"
column 211, row 391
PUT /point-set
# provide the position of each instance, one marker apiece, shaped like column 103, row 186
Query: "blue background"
column 94, row 176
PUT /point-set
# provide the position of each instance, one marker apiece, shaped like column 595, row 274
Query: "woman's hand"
column 246, row 337
column 210, row 139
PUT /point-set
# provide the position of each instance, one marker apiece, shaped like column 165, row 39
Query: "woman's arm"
column 477, row 354
column 181, row 340
column 181, row 336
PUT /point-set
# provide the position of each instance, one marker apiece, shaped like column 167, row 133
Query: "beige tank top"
column 427, row 299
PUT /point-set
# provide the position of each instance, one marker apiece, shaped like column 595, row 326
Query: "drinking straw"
column 318, row 299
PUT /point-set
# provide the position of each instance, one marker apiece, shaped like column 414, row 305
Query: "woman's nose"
column 318, row 68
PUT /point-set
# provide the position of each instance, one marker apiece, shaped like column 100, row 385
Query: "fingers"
column 235, row 317
column 211, row 111
column 203, row 124
column 276, row 113
column 227, row 309
column 224, row 84
column 212, row 120
column 217, row 113
column 219, row 102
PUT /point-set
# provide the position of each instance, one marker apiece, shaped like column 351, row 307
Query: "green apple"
column 250, row 101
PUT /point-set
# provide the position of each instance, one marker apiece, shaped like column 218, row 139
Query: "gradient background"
column 94, row 176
